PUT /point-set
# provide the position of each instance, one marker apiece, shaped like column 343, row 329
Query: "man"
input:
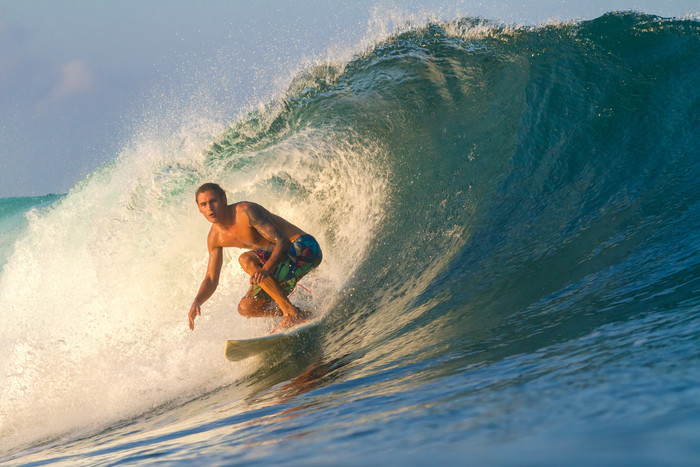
column 281, row 254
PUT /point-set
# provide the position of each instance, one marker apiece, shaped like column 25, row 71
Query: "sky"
column 77, row 77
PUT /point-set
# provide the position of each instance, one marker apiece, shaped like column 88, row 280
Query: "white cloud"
column 75, row 79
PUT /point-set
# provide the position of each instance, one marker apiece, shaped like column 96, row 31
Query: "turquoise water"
column 511, row 266
column 13, row 219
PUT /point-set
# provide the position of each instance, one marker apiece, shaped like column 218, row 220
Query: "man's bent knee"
column 244, row 308
column 252, row 308
column 249, row 261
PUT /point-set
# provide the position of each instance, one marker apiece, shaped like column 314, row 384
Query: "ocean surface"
column 509, row 218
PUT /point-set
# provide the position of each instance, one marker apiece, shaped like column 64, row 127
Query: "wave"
column 13, row 220
column 479, row 191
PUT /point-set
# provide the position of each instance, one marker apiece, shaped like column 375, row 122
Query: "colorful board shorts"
column 302, row 257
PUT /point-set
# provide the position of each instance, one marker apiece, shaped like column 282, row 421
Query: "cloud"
column 75, row 79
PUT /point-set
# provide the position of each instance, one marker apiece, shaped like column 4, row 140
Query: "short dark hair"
column 210, row 187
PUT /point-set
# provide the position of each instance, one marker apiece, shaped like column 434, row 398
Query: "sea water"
column 509, row 218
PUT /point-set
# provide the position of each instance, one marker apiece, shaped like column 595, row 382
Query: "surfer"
column 280, row 254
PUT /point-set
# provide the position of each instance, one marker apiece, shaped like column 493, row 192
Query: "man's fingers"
column 195, row 311
column 258, row 277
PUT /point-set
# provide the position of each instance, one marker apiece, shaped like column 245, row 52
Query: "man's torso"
column 242, row 235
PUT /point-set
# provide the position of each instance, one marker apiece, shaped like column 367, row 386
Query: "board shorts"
column 304, row 255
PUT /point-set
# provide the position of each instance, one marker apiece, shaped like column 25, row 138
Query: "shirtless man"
column 281, row 254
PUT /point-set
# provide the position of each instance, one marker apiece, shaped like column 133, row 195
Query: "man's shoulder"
column 243, row 206
column 246, row 210
column 213, row 236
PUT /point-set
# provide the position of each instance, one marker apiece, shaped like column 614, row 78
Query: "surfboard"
column 241, row 349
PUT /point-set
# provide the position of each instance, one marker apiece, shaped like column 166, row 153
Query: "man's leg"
column 261, row 308
column 291, row 315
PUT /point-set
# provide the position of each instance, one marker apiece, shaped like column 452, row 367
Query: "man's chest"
column 241, row 238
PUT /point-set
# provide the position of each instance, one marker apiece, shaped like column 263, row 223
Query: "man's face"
column 210, row 205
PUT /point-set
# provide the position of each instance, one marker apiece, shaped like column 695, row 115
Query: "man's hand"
column 259, row 276
column 194, row 311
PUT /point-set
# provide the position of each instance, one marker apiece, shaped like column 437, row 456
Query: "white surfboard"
column 241, row 349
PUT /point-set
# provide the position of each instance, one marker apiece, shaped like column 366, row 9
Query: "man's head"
column 211, row 187
column 211, row 201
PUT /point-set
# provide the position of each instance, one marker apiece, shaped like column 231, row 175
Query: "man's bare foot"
column 289, row 321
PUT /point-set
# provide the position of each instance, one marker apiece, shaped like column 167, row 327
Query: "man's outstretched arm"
column 209, row 284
